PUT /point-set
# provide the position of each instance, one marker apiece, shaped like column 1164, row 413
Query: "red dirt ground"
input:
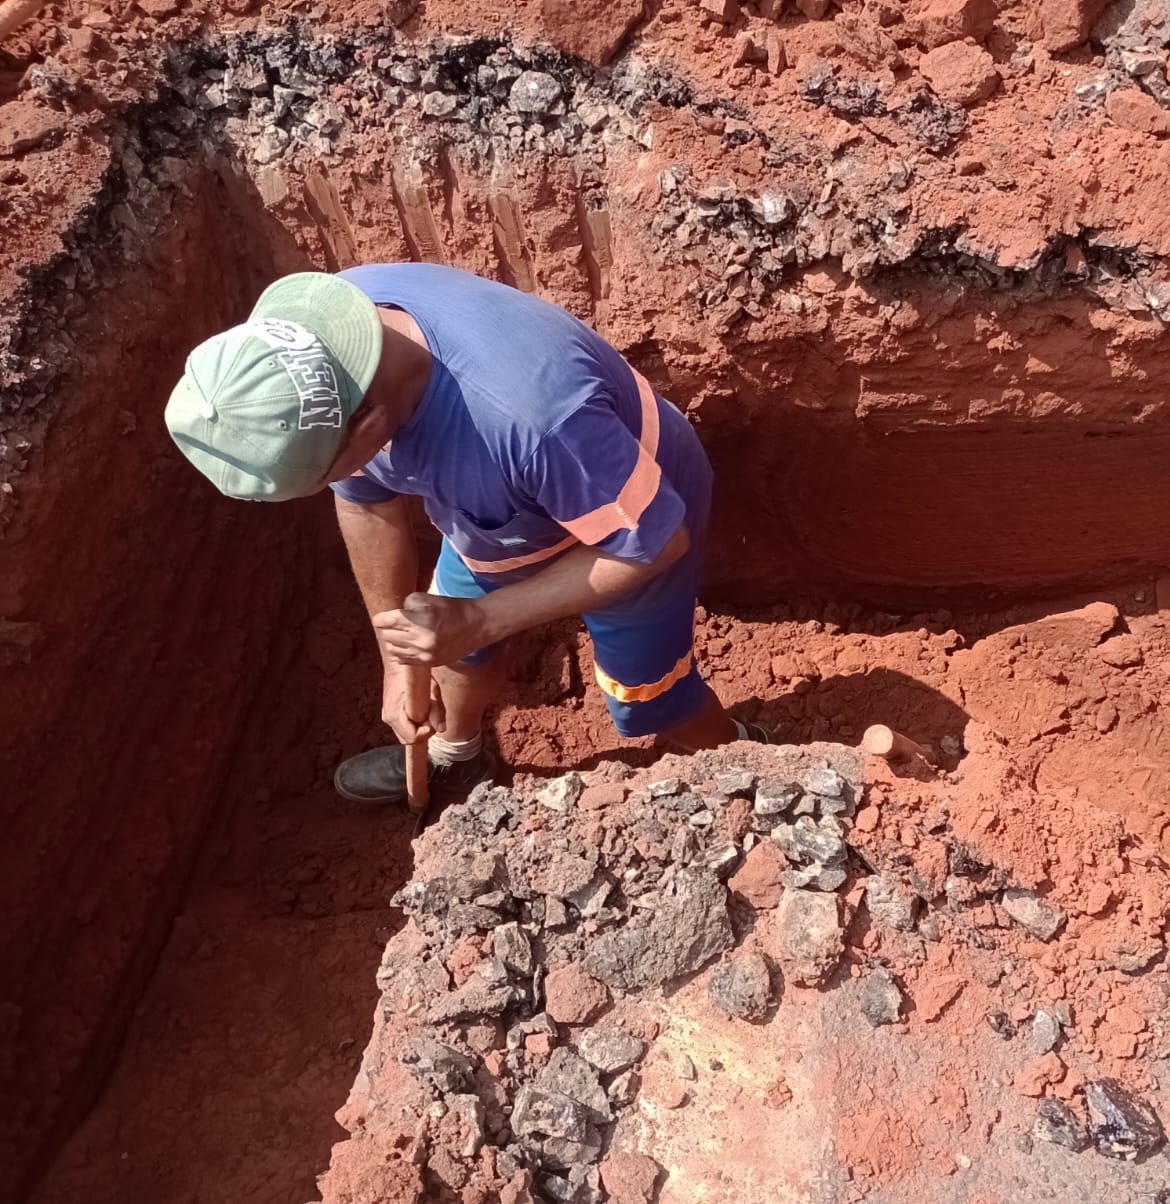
column 250, row 1033
column 968, row 431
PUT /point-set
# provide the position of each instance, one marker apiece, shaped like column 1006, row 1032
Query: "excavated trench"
column 932, row 432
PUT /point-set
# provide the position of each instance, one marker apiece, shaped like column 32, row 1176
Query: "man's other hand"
column 430, row 630
column 394, row 713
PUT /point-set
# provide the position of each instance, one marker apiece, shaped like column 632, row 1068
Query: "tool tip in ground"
column 882, row 741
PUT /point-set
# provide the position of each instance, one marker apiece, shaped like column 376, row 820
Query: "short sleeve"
column 604, row 486
column 362, row 490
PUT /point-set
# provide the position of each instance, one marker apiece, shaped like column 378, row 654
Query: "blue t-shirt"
column 533, row 433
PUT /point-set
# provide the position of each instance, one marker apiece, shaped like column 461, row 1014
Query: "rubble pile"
column 548, row 926
column 545, row 913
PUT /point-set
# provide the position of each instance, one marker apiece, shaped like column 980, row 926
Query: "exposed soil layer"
column 905, row 268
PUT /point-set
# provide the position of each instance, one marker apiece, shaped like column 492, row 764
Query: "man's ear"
column 365, row 422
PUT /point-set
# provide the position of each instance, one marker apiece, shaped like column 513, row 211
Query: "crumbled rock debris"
column 263, row 97
column 557, row 954
column 890, row 902
column 1120, row 1123
column 517, row 997
column 687, row 929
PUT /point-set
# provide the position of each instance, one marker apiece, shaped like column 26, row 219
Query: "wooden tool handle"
column 418, row 707
column 882, row 741
column 14, row 13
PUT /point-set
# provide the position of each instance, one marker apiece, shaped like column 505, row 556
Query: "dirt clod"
column 573, row 996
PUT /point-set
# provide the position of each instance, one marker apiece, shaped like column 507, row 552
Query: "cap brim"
column 338, row 312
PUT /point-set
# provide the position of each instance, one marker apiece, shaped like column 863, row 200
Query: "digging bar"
column 418, row 706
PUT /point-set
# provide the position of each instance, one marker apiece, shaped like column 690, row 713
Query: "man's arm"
column 384, row 556
column 382, row 551
column 581, row 580
column 429, row 630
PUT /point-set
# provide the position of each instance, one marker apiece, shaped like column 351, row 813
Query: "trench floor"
column 253, row 1026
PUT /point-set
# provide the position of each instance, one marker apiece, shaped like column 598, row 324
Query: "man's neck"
column 405, row 368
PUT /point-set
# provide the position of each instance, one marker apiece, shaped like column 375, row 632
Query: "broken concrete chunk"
column 722, row 861
column 513, row 948
column 582, row 1185
column 881, row 998
column 891, row 904
column 488, row 808
column 439, row 104
column 429, row 1059
column 562, row 793
column 472, row 1001
column 688, row 928
column 1120, row 1124
column 1045, row 1031
column 666, row 788
column 1134, row 953
column 742, row 986
column 467, row 1112
column 807, row 939
column 738, row 783
column 470, row 917
column 536, row 93
column 560, row 873
column 806, row 841
column 556, row 914
column 590, row 898
column 1057, row 1123
column 814, row 877
column 1041, row 918
column 556, row 1125
column 774, row 797
column 539, row 1025
column 624, row 1089
column 610, row 1050
column 823, row 779
column 569, row 1074
column 493, row 971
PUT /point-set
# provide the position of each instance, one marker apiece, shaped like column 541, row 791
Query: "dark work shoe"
column 379, row 775
column 758, row 734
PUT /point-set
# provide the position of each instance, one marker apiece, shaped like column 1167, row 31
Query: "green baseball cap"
column 261, row 409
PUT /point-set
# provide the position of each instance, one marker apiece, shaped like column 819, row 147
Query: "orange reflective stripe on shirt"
column 644, row 693
column 637, row 493
column 516, row 562
column 641, row 486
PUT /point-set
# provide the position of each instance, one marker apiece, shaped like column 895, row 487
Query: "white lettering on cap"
column 304, row 358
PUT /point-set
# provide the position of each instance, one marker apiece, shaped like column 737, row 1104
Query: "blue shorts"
column 643, row 646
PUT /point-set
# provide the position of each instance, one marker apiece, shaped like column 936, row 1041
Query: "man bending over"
column 561, row 484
